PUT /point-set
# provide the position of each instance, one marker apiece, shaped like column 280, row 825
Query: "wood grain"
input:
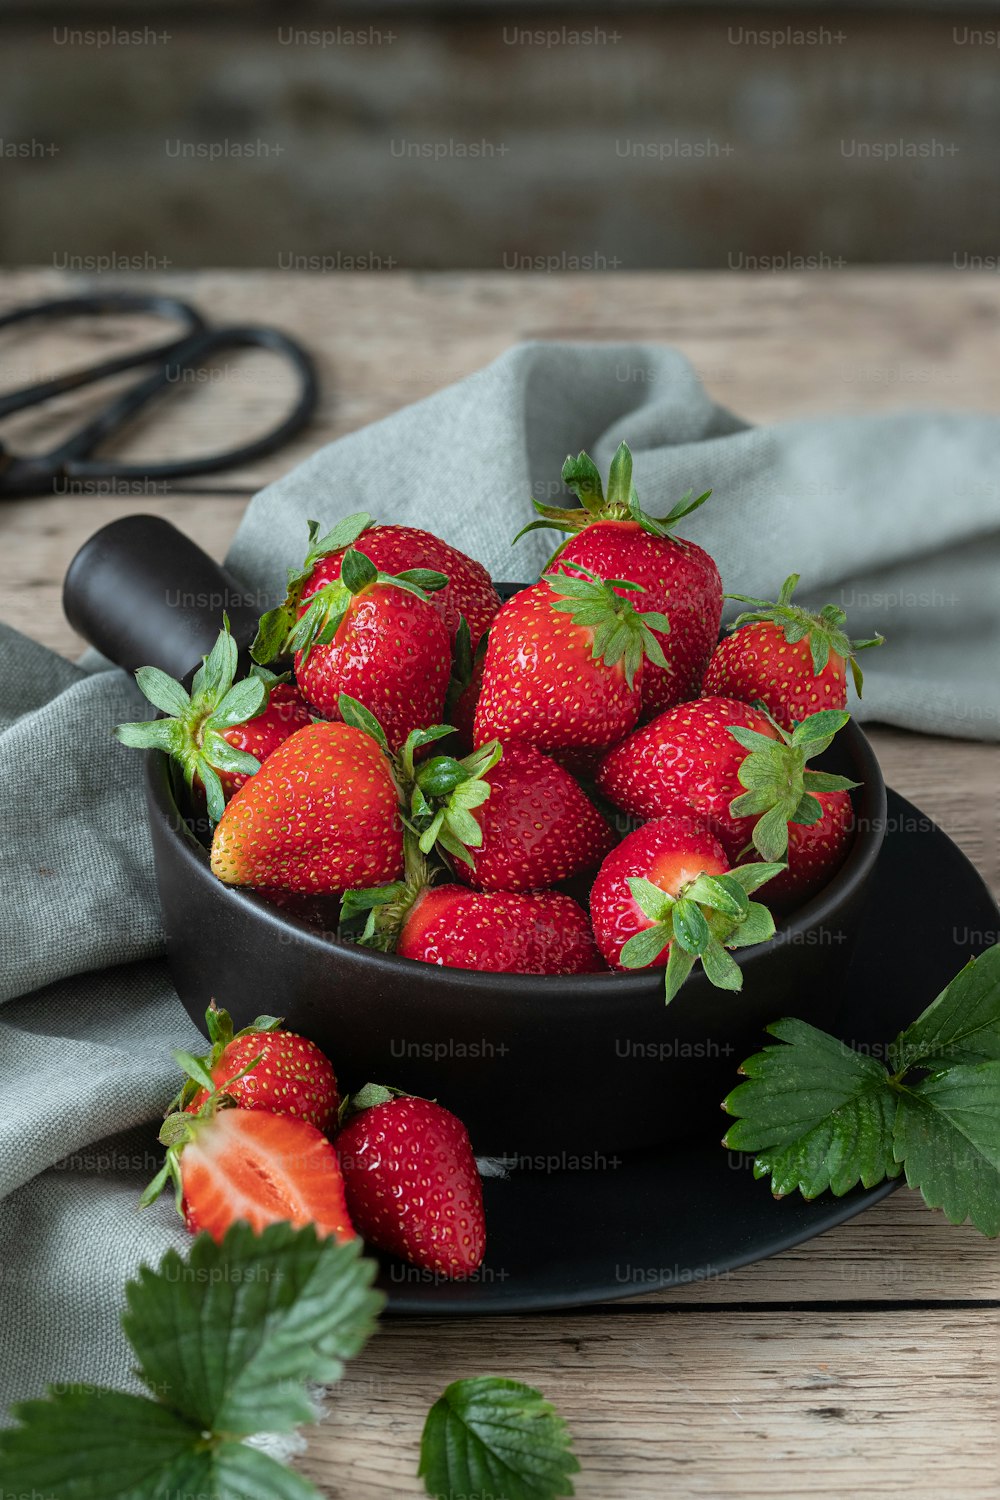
column 716, row 1405
column 866, row 1360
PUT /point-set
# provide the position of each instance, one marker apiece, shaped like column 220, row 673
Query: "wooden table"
column 867, row 1361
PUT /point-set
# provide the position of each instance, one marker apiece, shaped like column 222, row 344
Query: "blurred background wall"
column 499, row 136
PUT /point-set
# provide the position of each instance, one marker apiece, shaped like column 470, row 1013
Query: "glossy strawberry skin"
column 392, row 653
column 499, row 932
column 816, row 852
column 293, row 1077
column 539, row 827
column 541, row 683
column 320, row 816
column 680, row 580
column 264, row 1168
column 412, row 1185
column 286, row 712
column 757, row 663
column 686, row 755
column 396, row 549
column 669, row 852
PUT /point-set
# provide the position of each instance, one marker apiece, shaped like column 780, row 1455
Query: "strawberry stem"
column 619, row 632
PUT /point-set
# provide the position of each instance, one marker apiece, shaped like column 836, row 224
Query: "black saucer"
column 567, row 1234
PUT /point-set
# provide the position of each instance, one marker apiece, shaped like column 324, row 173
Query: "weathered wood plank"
column 695, row 1405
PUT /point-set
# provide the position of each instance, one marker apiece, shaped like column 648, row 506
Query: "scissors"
column 197, row 343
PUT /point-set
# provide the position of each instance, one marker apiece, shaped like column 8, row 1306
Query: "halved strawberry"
column 230, row 1164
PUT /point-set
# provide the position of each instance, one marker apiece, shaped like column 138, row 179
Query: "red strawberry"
column 801, row 815
column 790, row 660
column 686, row 755
column 321, row 815
column 469, row 591
column 564, row 665
column 666, row 895
column 412, row 1185
column 230, row 1164
column 222, row 730
column 291, row 1077
column 466, row 590
column 615, row 538
column 537, row 826
column 380, row 640
column 815, row 852
column 501, row 932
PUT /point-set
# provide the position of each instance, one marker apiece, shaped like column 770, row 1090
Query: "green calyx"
column 709, row 915
column 437, row 796
column 326, row 608
column 824, row 631
column 276, row 624
column 192, row 731
column 219, row 1025
column 619, row 503
column 779, row 788
column 620, row 632
column 374, row 917
column 370, row 1096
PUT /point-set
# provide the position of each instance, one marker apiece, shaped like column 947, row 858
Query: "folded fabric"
column 896, row 517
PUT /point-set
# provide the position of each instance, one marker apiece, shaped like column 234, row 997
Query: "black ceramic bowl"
column 568, row 1066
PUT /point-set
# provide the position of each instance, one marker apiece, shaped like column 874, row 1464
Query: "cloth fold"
column 896, row 517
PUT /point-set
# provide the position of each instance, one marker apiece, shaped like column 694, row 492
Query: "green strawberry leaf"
column 679, row 966
column 495, row 1439
column 357, row 571
column 962, row 1025
column 756, row 927
column 690, row 927
column 244, row 700
column 948, row 1137
column 814, row 1113
column 721, row 970
column 230, row 1338
column 644, row 947
column 163, row 692
column 354, row 713
column 225, row 757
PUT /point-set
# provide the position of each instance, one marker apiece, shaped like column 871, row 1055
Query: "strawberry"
column 467, row 593
column 230, row 1164
column 790, row 660
column 800, row 815
column 506, row 932
column 222, row 730
column 536, row 828
column 261, row 1067
column 686, row 755
column 376, row 637
column 564, row 664
column 614, row 537
column 666, row 895
column 411, row 1180
column 321, row 815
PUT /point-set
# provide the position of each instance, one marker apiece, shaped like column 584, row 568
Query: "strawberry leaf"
column 948, row 1136
column 230, row 1338
column 497, row 1440
column 163, row 692
column 815, row 1114
column 962, row 1025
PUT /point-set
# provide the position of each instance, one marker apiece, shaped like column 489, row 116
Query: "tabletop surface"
column 864, row 1362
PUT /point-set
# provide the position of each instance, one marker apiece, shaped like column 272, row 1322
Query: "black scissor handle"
column 169, row 308
column 72, row 458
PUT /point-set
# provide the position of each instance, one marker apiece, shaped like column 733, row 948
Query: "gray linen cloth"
column 896, row 516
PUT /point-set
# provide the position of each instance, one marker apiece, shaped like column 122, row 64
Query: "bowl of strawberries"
column 553, row 854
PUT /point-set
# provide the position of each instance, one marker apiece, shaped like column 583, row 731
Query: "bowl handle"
column 145, row 594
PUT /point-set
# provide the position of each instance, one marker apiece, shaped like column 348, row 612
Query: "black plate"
column 567, row 1234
